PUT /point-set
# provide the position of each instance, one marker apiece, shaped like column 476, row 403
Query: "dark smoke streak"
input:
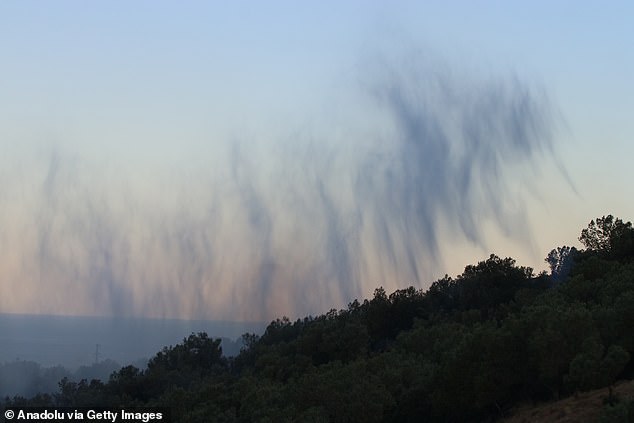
column 456, row 136
column 267, row 229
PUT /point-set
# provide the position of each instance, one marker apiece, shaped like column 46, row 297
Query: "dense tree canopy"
column 609, row 237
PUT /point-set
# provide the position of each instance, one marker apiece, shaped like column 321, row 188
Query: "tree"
column 442, row 295
column 197, row 353
column 609, row 236
column 127, row 383
column 183, row 365
column 491, row 283
column 561, row 261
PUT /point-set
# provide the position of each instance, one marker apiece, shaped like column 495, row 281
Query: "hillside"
column 469, row 349
column 585, row 407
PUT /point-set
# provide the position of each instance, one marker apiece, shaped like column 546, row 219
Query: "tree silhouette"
column 561, row 261
column 609, row 236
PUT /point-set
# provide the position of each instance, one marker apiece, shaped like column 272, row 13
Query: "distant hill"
column 71, row 341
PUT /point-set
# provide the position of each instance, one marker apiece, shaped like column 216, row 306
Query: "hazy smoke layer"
column 255, row 228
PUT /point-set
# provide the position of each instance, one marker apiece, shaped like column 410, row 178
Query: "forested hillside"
column 470, row 348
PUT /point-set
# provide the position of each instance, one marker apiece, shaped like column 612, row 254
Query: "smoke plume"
column 295, row 223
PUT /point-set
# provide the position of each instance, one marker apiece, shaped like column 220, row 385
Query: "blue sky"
column 202, row 159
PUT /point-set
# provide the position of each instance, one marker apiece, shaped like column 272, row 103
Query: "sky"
column 248, row 160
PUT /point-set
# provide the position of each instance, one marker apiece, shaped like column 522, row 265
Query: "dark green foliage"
column 467, row 349
column 442, row 295
column 561, row 260
column 183, row 365
column 491, row 283
column 198, row 353
column 609, row 237
column 128, row 384
column 343, row 393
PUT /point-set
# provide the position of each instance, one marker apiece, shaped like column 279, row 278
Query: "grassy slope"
column 586, row 407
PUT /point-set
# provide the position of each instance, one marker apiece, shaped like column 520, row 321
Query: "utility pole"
column 97, row 353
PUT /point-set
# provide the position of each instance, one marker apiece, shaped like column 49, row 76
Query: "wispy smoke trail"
column 264, row 227
column 455, row 138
